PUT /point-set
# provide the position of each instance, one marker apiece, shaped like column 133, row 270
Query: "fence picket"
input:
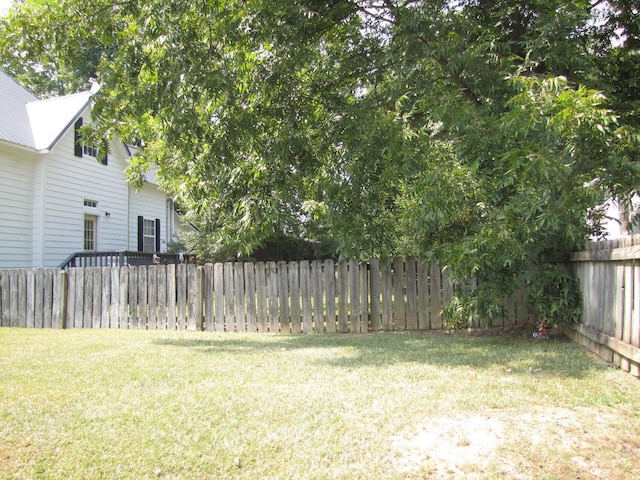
column 262, row 310
column 342, row 291
column 194, row 298
column 105, row 313
column 387, row 296
column 239, row 297
column 181, row 296
column 48, row 298
column 5, row 290
column 330, row 295
column 250, row 296
column 272, row 296
column 208, row 297
column 115, row 314
column 59, row 311
column 424, row 306
column 399, row 285
column 305, row 294
column 317, row 294
column 133, row 297
column 283, row 297
column 435, row 295
column 96, row 306
column 374, row 288
column 152, row 296
column 411, row 271
column 161, row 308
column 171, row 297
column 296, row 292
column 39, row 285
column 218, row 285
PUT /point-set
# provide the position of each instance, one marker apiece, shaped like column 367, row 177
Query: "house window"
column 90, row 203
column 90, row 150
column 90, row 223
column 149, row 236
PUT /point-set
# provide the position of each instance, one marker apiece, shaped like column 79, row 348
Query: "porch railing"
column 124, row 258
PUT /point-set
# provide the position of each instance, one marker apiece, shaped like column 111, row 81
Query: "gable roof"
column 30, row 122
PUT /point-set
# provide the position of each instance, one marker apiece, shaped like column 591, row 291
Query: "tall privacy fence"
column 317, row 296
column 609, row 274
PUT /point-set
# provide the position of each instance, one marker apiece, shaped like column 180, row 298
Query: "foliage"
column 482, row 134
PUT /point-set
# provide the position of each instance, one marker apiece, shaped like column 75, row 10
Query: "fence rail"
column 317, row 296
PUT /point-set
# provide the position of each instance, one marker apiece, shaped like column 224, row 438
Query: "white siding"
column 42, row 203
column 151, row 204
column 71, row 180
column 16, row 208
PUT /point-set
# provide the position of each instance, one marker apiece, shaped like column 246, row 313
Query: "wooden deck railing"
column 123, row 258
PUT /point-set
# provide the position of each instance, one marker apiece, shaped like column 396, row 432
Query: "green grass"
column 91, row 404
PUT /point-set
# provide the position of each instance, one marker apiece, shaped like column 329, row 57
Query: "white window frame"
column 148, row 235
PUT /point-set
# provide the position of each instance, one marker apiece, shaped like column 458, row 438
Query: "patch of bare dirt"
column 502, row 444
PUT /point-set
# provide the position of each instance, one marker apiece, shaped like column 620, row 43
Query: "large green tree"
column 481, row 133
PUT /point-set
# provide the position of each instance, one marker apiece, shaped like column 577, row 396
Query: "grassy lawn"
column 90, row 404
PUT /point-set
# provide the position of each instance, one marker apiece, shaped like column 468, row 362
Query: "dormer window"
column 82, row 149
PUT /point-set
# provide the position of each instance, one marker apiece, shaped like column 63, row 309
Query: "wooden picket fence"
column 609, row 274
column 317, row 296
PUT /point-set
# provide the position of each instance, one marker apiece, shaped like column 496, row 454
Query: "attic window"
column 80, row 149
column 90, row 150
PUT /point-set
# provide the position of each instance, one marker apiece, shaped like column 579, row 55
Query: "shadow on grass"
column 558, row 356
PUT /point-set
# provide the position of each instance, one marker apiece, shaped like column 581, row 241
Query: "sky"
column 4, row 6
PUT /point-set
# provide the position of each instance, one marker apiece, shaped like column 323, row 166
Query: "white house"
column 59, row 195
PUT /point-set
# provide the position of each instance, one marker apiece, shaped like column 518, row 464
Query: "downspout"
column 128, row 217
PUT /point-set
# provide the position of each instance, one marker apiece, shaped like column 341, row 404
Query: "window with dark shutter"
column 77, row 138
column 148, row 235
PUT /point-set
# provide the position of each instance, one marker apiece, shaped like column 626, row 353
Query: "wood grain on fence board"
column 386, row 281
column 171, row 297
column 48, row 297
column 123, row 298
column 272, row 296
column 374, row 289
column 250, row 289
column 262, row 307
column 424, row 306
column 209, row 314
column 114, row 319
column 5, row 290
column 133, row 297
column 152, row 296
column 318, row 294
column 38, row 301
column 194, row 298
column 229, row 301
column 105, row 303
column 161, row 306
column 399, row 318
column 342, row 292
column 306, row 295
column 59, row 310
column 239, row 297
column 330, row 296
column 295, row 291
column 181, row 297
column 411, row 273
column 435, row 295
